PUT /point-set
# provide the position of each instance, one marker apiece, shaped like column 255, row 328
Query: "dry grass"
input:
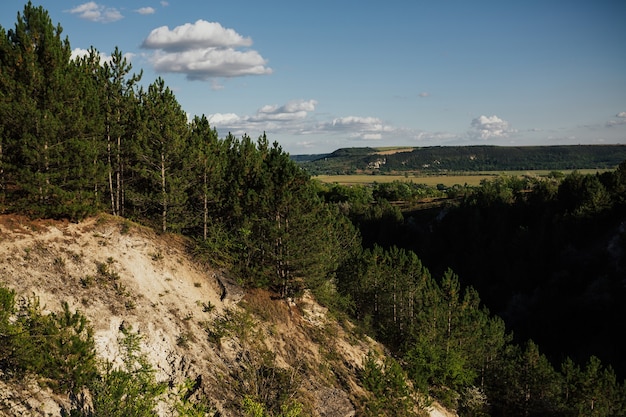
column 392, row 150
column 470, row 179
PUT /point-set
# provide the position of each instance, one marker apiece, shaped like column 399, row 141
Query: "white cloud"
column 216, row 86
column 362, row 123
column 488, row 127
column 204, row 50
column 288, row 118
column 293, row 110
column 201, row 34
column 80, row 52
column 424, row 94
column 146, row 10
column 204, row 64
column 96, row 12
column 621, row 120
column 223, row 119
column 164, row 4
column 357, row 127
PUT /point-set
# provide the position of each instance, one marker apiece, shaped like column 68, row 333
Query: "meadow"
column 448, row 180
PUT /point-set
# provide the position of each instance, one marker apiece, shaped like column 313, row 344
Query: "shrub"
column 58, row 346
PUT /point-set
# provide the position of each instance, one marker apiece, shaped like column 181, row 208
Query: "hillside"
column 438, row 159
column 121, row 275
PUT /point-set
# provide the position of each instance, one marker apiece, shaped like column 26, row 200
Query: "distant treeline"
column 441, row 159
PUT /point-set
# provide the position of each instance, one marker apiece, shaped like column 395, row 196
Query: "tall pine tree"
column 42, row 119
column 159, row 190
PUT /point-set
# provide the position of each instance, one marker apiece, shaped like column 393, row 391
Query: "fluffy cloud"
column 488, row 127
column 204, row 64
column 146, row 10
column 204, row 50
column 201, row 34
column 288, row 118
column 294, row 110
column 96, row 12
column 224, row 119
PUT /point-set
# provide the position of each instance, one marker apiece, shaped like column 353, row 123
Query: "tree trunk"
column 205, row 219
column 118, row 177
column 164, row 194
column 110, row 164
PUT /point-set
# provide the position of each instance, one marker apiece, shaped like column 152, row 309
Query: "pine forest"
column 79, row 137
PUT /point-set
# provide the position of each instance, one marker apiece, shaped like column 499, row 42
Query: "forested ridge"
column 78, row 138
column 446, row 159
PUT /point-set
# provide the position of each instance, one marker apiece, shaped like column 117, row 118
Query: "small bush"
column 57, row 346
column 129, row 390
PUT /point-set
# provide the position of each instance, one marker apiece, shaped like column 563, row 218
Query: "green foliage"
column 58, row 347
column 10, row 333
column 46, row 159
column 126, row 390
column 391, row 394
column 185, row 406
column 254, row 408
column 592, row 390
column 233, row 322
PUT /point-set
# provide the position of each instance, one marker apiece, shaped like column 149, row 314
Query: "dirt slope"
column 120, row 274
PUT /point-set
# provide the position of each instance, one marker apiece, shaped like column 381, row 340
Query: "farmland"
column 448, row 180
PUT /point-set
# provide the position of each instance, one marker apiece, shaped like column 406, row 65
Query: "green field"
column 471, row 179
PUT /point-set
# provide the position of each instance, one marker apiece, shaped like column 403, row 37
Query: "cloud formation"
column 299, row 118
column 489, row 127
column 621, row 120
column 356, row 127
column 288, row 118
column 294, row 110
column 146, row 10
column 96, row 12
column 204, row 50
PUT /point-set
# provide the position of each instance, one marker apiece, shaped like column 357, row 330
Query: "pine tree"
column 205, row 162
column 159, row 189
column 37, row 86
column 118, row 103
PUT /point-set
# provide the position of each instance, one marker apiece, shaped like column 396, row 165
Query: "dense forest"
column 78, row 137
column 446, row 159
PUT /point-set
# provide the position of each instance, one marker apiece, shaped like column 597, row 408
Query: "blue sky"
column 317, row 76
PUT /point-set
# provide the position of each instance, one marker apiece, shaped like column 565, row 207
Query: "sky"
column 320, row 75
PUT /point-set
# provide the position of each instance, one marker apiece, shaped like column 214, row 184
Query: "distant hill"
column 440, row 159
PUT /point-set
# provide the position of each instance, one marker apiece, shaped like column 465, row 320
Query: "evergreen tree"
column 87, row 161
column 593, row 390
column 40, row 122
column 205, row 162
column 119, row 102
column 159, row 189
